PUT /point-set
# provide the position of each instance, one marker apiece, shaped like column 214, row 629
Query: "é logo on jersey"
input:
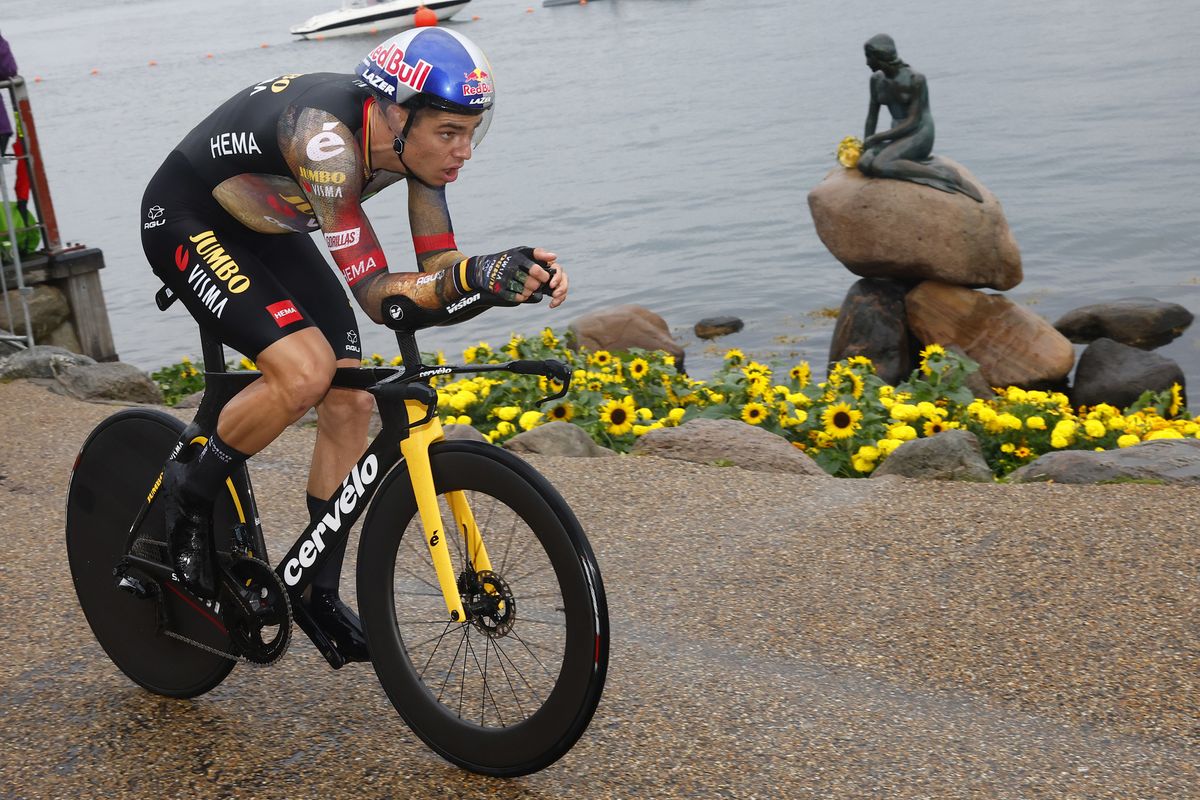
column 326, row 144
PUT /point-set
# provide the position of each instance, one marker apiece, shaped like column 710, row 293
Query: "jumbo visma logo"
column 354, row 488
column 220, row 262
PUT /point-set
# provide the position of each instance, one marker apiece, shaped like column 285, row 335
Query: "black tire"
column 531, row 709
column 113, row 474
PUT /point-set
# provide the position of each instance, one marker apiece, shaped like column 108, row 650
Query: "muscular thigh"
column 298, row 264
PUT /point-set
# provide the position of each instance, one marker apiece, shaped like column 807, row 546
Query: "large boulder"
column 872, row 323
column 882, row 228
column 557, row 439
column 730, row 442
column 1136, row 321
column 1165, row 460
column 1012, row 345
column 1117, row 374
column 953, row 455
column 48, row 309
column 623, row 328
column 39, row 361
column 111, row 381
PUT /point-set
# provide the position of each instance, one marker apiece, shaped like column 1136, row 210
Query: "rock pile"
column 925, row 256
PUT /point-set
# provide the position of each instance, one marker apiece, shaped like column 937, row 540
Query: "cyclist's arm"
column 432, row 231
column 329, row 166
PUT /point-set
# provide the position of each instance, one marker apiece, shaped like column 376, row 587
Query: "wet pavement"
column 772, row 636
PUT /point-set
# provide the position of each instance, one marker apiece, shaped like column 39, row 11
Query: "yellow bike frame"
column 415, row 449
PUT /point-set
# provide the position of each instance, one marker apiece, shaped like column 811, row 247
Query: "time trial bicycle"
column 480, row 597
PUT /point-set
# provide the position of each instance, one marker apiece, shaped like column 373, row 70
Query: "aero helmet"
column 432, row 67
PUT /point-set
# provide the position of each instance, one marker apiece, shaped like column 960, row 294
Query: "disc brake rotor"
column 493, row 610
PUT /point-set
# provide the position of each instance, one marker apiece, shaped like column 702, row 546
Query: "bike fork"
column 415, row 449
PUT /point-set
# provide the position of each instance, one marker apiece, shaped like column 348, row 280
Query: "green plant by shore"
column 849, row 423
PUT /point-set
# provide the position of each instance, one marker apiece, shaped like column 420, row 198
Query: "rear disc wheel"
column 114, row 473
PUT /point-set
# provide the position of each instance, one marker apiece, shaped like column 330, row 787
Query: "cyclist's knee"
column 345, row 407
column 298, row 377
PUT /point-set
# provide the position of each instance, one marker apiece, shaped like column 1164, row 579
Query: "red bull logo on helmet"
column 477, row 82
column 390, row 59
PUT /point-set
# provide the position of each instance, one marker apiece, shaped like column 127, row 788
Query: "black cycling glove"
column 501, row 275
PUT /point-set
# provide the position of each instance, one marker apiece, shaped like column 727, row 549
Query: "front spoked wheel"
column 510, row 690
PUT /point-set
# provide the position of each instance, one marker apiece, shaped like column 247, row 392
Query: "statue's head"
column 881, row 51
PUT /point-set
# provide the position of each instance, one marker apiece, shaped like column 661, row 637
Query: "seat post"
column 409, row 354
column 213, row 351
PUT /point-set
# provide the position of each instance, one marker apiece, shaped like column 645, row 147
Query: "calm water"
column 665, row 148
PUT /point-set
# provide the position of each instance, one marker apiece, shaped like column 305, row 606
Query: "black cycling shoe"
column 189, row 535
column 342, row 625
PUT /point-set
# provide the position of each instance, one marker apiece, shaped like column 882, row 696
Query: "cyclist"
column 225, row 224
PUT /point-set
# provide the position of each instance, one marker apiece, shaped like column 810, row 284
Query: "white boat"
column 373, row 16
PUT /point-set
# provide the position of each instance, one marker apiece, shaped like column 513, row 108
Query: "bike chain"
column 238, row 657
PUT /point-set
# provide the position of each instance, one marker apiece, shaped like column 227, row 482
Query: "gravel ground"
column 772, row 636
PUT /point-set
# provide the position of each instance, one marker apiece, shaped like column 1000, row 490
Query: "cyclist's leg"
column 343, row 416
column 204, row 256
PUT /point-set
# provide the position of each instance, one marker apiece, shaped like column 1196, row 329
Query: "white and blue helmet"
column 432, row 67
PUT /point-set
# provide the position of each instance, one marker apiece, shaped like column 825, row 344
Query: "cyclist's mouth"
column 451, row 173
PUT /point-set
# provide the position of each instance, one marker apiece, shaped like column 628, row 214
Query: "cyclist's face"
column 439, row 144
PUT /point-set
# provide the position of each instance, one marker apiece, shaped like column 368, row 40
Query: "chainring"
column 255, row 609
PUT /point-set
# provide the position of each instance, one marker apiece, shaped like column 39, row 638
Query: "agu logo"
column 284, row 313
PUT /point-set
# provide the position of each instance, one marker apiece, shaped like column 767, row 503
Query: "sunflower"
column 1022, row 453
column 856, row 383
column 549, row 339
column 848, row 152
column 734, row 356
column 1176, row 401
column 936, row 425
column 638, row 368
column 756, row 370
column 862, row 361
column 841, row 420
column 801, row 374
column 530, row 420
column 619, row 415
column 563, row 412
column 601, row 358
column 929, row 352
column 754, row 413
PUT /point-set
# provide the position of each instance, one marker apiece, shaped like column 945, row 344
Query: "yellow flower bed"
column 850, row 423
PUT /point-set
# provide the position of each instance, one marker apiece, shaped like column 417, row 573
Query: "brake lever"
column 557, row 371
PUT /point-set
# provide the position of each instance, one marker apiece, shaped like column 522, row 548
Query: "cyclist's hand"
column 556, row 287
column 508, row 275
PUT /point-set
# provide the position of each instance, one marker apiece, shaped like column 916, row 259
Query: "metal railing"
column 46, row 223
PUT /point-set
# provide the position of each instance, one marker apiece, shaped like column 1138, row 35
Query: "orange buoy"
column 209, row 55
column 95, row 72
column 529, row 10
column 475, row 18
column 424, row 17
column 37, row 79
column 153, row 63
